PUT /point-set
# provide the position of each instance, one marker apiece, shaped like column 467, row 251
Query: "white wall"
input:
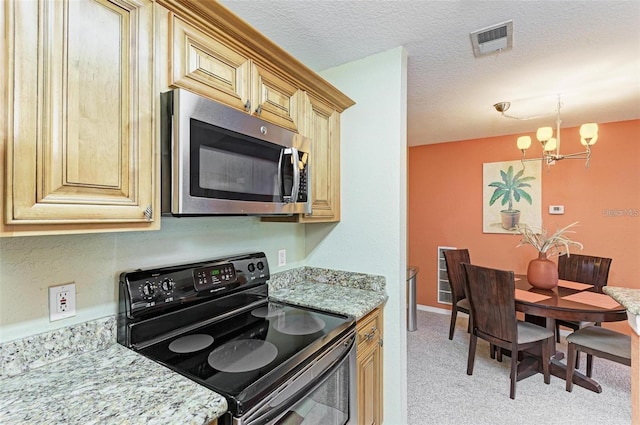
column 372, row 234
column 29, row 265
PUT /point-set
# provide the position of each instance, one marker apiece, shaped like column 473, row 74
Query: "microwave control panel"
column 302, row 193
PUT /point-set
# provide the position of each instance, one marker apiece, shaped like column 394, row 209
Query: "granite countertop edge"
column 337, row 299
column 627, row 297
column 96, row 380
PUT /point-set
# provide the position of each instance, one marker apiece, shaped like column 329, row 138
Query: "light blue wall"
column 372, row 234
column 29, row 265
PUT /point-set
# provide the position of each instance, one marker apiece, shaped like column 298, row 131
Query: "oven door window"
column 227, row 165
column 328, row 404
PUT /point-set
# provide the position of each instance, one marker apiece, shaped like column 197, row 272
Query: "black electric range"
column 212, row 322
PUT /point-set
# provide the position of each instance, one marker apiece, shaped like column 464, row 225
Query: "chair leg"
column 589, row 365
column 514, row 371
column 557, row 333
column 571, row 361
column 452, row 326
column 578, row 360
column 473, row 341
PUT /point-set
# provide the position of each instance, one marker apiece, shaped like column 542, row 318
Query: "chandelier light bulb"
column 524, row 142
column 589, row 133
column 550, row 145
column 544, row 133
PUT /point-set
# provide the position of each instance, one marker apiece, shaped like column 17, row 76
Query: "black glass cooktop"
column 243, row 356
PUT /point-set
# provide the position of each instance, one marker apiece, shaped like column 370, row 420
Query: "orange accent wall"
column 445, row 203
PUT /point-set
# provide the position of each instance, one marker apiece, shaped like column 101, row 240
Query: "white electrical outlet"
column 282, row 257
column 62, row 301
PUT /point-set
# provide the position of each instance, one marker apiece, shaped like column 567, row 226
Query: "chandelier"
column 551, row 145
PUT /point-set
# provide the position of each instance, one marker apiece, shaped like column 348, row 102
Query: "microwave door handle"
column 296, row 175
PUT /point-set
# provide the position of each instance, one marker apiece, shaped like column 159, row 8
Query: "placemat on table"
column 574, row 285
column 593, row 298
column 530, row 296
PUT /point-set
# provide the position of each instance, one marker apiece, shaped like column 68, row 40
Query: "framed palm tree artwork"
column 511, row 194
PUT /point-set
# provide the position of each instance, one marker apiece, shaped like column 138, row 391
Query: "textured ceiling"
column 588, row 52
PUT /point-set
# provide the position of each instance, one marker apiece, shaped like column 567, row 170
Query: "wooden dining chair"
column 583, row 269
column 599, row 342
column 491, row 295
column 454, row 259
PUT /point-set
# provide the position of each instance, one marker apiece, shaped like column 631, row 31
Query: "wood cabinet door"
column 205, row 65
column 369, row 412
column 80, row 103
column 369, row 339
column 324, row 131
column 274, row 99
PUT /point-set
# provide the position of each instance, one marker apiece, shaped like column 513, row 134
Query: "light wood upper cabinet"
column 322, row 126
column 215, row 53
column 369, row 370
column 78, row 118
column 206, row 65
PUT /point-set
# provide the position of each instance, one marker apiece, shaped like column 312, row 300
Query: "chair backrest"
column 454, row 259
column 584, row 269
column 491, row 296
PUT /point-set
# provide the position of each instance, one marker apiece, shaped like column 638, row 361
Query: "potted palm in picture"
column 510, row 190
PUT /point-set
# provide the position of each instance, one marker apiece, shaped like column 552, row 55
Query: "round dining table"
column 570, row 301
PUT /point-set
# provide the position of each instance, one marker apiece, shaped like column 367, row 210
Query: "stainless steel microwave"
column 217, row 160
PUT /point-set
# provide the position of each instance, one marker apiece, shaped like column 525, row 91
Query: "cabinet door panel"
column 324, row 132
column 204, row 65
column 80, row 138
column 369, row 388
column 275, row 100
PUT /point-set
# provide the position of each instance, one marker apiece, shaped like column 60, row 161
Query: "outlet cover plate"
column 62, row 301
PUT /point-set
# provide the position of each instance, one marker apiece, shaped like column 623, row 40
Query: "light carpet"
column 441, row 392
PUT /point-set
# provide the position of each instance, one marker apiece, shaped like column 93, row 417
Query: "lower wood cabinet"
column 369, row 368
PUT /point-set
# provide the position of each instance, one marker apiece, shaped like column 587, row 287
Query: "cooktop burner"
column 242, row 355
column 265, row 312
column 191, row 343
column 299, row 323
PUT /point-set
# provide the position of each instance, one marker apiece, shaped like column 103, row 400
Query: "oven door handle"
column 276, row 412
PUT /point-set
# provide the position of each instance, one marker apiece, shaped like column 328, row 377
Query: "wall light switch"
column 556, row 209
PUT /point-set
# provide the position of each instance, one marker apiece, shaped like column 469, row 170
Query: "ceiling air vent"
column 492, row 39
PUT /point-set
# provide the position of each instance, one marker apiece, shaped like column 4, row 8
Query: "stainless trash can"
column 412, row 319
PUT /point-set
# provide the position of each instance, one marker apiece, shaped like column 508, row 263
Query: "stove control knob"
column 147, row 289
column 260, row 265
column 168, row 285
column 251, row 267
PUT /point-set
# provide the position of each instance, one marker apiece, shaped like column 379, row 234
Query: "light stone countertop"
column 630, row 299
column 338, row 299
column 110, row 386
column 627, row 297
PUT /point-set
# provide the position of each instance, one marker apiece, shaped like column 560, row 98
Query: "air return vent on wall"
column 492, row 39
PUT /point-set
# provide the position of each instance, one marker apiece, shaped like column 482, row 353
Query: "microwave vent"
column 492, row 39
